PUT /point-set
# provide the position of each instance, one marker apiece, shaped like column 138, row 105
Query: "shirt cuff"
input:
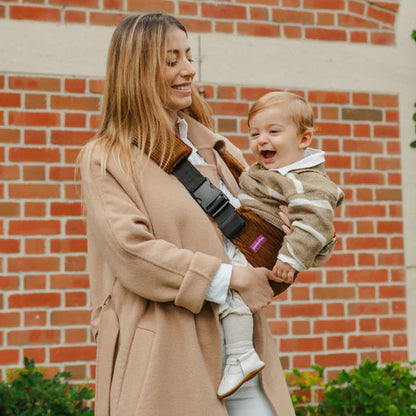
column 218, row 288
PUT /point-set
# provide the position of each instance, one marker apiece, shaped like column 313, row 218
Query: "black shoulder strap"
column 214, row 202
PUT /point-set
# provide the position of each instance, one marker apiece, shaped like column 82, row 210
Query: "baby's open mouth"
column 268, row 154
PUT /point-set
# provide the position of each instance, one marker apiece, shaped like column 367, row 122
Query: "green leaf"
column 413, row 35
column 413, row 144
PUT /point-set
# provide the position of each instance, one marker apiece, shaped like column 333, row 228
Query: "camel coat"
column 152, row 255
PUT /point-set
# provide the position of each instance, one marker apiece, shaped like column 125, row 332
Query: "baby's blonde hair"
column 299, row 109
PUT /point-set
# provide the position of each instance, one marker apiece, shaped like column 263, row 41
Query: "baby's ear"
column 306, row 139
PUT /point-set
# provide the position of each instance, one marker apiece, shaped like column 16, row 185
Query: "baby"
column 287, row 172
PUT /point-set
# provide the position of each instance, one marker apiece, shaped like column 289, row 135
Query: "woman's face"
column 179, row 70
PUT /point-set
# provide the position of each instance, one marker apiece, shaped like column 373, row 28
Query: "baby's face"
column 274, row 138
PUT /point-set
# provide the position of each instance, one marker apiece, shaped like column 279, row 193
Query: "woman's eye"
column 171, row 63
column 191, row 60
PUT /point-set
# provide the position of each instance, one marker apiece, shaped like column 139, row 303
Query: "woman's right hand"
column 252, row 283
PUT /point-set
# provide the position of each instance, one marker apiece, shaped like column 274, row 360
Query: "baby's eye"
column 274, row 131
column 253, row 135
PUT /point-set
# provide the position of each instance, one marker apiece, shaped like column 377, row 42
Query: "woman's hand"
column 252, row 283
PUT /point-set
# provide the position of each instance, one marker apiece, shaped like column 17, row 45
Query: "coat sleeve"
column 151, row 268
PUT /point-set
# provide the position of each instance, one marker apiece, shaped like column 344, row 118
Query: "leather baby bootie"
column 237, row 371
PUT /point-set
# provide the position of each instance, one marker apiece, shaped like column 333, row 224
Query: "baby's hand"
column 283, row 272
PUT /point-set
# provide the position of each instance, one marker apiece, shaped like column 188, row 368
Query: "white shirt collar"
column 311, row 157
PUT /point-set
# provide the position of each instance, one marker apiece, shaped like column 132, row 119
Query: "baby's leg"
column 242, row 362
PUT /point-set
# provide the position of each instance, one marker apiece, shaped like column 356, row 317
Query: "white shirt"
column 218, row 288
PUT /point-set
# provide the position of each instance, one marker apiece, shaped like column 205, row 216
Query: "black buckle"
column 211, row 199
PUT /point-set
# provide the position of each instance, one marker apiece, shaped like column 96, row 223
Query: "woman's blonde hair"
column 299, row 109
column 135, row 95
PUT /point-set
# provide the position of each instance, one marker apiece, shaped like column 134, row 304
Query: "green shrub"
column 28, row 393
column 367, row 390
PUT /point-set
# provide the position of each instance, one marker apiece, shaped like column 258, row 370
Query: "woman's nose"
column 188, row 70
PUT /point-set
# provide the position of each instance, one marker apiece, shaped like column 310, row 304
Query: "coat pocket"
column 106, row 348
column 135, row 374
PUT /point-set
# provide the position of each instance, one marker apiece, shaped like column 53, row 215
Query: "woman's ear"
column 306, row 139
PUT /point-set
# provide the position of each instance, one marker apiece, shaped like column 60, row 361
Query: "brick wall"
column 336, row 316
column 361, row 21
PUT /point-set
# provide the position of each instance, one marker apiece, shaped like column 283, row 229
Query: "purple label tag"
column 258, row 242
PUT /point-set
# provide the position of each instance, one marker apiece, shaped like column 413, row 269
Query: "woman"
column 159, row 267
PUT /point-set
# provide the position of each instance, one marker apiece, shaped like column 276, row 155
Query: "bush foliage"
column 368, row 390
column 28, row 393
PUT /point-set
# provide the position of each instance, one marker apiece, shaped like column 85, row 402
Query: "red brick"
column 334, row 360
column 223, row 11
column 367, row 276
column 35, row 318
column 338, row 325
column 33, row 282
column 75, row 120
column 388, row 194
column 398, row 291
column 293, row 16
column 33, row 264
column 9, row 209
column 106, row 19
column 35, row 137
column 279, row 327
column 329, row 113
column 75, row 16
column 324, row 4
column 366, row 293
column 34, row 154
column 34, row 173
column 301, row 344
column 35, row 13
column 80, row 3
column 292, row 32
column 349, row 20
column 368, row 325
column 34, row 227
column 70, row 137
column 365, row 227
column 301, row 328
column 224, row 27
column 335, row 343
column 366, row 243
column 9, row 245
column 338, row 161
column 34, row 191
column 22, row 118
column 385, row 100
column 75, row 85
column 188, row 7
column 69, row 281
column 341, row 292
column 358, row 36
column 33, row 337
column 265, row 2
column 34, row 83
column 258, row 13
column 335, row 309
column 75, row 263
column 328, row 97
column 325, row 34
column 35, row 209
column 69, row 245
column 167, row 6
column 74, row 227
column 11, row 172
column 75, row 336
column 362, row 146
column 35, row 101
column 9, row 356
column 382, row 16
column 386, row 131
column 62, row 354
column 66, row 209
column 73, row 299
column 9, row 319
column 388, row 356
column 392, row 116
column 35, row 300
column 393, row 324
column 36, row 354
column 229, row 108
column 96, row 86
column 9, row 99
column 299, row 293
column 399, row 340
column 365, row 211
column 288, row 311
column 331, row 129
column 258, row 29
column 70, row 317
column 74, row 103
column 368, row 341
column 368, row 308
column 390, row 227
column 251, row 94
column 9, row 135
column 326, row 19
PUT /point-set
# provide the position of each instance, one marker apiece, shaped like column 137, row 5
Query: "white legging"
column 249, row 399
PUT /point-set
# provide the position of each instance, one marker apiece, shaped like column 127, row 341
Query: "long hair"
column 134, row 106
column 299, row 109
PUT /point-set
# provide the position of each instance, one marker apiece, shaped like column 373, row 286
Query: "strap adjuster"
column 211, row 199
